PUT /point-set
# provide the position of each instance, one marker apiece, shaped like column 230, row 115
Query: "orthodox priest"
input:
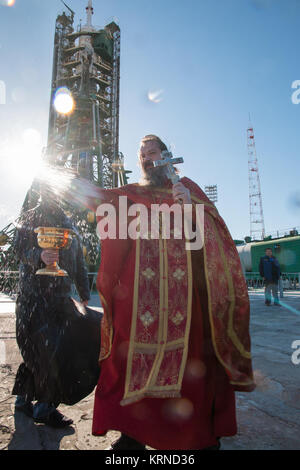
column 175, row 342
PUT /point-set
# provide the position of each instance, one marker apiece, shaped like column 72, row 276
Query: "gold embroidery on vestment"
column 231, row 333
column 177, row 319
column 178, row 274
column 157, row 356
column 148, row 273
column 147, row 319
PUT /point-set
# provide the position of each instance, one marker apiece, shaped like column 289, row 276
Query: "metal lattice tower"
column 257, row 224
column 87, row 63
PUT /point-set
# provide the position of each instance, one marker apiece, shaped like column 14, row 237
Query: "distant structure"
column 257, row 224
column 212, row 193
column 86, row 66
column 84, row 137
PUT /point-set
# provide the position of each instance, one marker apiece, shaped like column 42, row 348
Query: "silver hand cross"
column 168, row 161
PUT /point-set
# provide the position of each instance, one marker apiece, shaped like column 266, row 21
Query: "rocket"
column 89, row 13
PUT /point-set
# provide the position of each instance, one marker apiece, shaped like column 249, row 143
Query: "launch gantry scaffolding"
column 87, row 63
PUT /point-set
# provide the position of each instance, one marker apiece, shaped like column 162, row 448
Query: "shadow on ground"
column 31, row 436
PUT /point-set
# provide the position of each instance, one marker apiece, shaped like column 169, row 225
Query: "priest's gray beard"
column 153, row 176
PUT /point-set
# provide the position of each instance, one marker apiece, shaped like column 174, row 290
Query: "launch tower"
column 86, row 69
column 86, row 64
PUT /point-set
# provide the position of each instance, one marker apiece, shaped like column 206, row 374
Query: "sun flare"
column 63, row 101
column 21, row 159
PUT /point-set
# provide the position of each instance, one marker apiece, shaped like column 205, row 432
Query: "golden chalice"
column 53, row 238
column 3, row 239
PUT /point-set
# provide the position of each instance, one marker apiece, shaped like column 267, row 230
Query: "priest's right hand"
column 49, row 256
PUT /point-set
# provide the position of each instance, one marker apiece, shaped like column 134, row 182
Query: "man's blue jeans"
column 271, row 287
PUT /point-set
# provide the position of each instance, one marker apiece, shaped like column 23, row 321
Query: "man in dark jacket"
column 60, row 346
column 270, row 270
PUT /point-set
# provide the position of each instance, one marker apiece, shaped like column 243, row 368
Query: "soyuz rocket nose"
column 89, row 8
column 89, row 13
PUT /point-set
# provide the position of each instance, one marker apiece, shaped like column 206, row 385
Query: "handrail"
column 289, row 281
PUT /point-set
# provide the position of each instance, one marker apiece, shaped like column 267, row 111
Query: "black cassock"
column 59, row 344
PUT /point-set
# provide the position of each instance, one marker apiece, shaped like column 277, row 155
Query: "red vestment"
column 175, row 336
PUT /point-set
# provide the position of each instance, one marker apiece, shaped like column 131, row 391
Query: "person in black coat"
column 269, row 269
column 59, row 339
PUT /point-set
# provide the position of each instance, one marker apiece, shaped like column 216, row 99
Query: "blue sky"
column 215, row 60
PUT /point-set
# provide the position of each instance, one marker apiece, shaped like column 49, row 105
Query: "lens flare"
column 155, row 96
column 21, row 156
column 31, row 138
column 10, row 3
column 178, row 409
column 195, row 369
column 63, row 101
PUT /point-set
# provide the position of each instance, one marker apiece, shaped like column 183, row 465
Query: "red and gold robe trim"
column 161, row 319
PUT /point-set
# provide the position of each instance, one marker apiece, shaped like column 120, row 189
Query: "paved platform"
column 268, row 418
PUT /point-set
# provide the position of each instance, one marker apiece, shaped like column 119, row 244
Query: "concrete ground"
column 268, row 418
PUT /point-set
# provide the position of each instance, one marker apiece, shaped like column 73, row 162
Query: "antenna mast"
column 257, row 224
